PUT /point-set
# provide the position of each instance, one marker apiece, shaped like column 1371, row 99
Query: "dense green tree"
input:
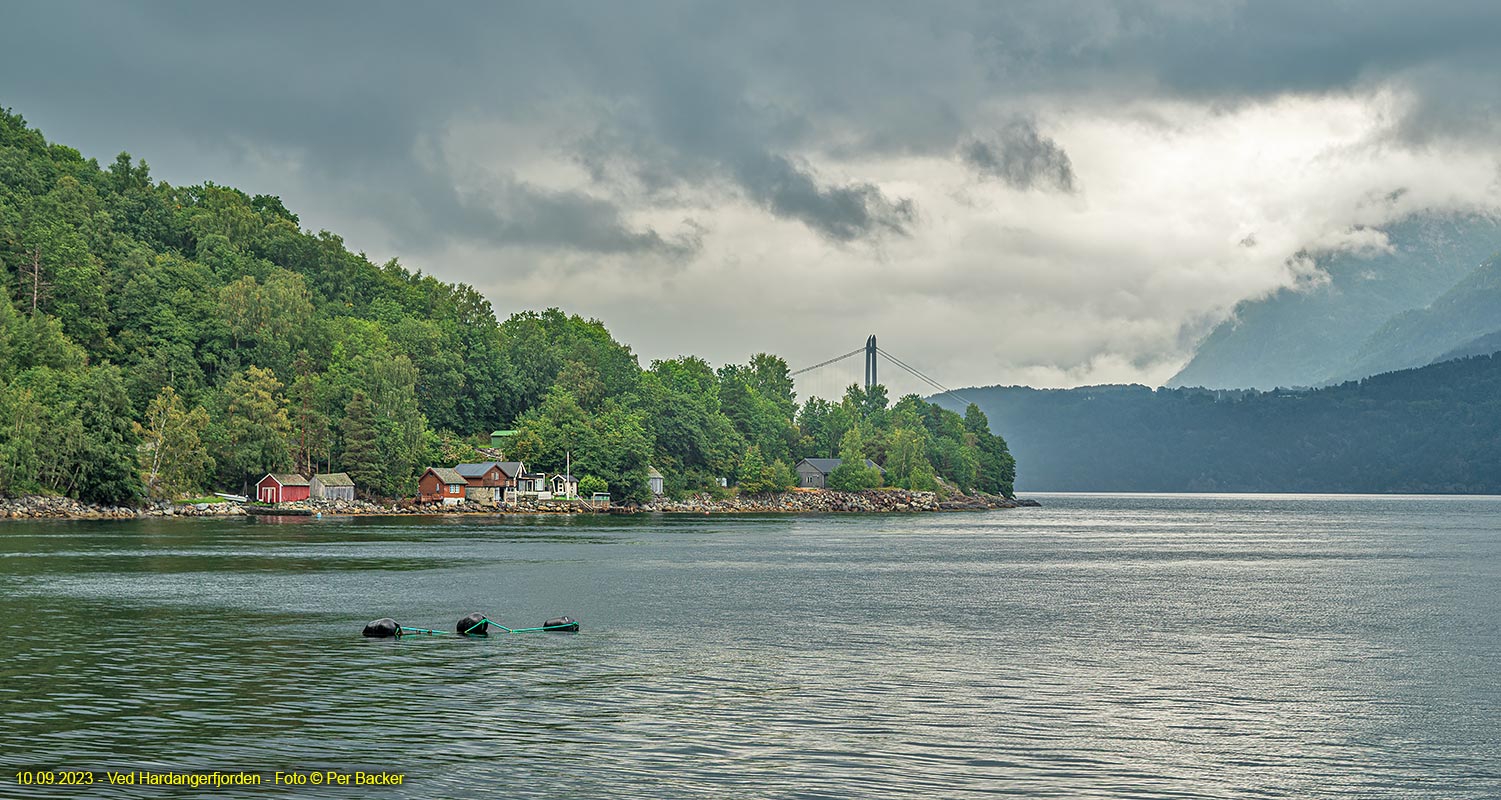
column 907, row 456
column 312, row 436
column 996, row 468
column 695, row 443
column 402, row 440
column 853, row 474
column 21, row 418
column 107, row 469
column 174, row 460
column 255, row 427
column 758, row 477
column 590, row 485
column 612, row 444
column 361, row 457
column 759, row 405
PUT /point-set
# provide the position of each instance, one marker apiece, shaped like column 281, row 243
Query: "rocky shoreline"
column 42, row 507
column 878, row 501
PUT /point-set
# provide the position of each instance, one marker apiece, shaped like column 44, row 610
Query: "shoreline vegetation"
column 160, row 342
column 800, row 501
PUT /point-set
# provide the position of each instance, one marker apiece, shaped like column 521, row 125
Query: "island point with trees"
column 158, row 342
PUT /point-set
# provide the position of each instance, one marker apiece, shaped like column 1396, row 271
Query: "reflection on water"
column 1098, row 647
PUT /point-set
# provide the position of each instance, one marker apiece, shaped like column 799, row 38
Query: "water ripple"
column 1163, row 647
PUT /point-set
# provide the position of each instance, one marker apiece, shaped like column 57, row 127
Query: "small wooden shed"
column 654, row 480
column 565, row 486
column 441, row 484
column 333, row 486
column 280, row 487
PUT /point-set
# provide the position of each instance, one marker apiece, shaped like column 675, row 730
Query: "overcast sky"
column 1052, row 193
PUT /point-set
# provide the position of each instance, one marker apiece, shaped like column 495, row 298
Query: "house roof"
column 475, row 470
column 511, row 468
column 334, row 479
column 447, row 475
column 286, row 479
column 827, row 465
column 651, row 472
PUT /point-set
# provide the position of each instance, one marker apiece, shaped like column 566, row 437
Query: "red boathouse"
column 282, row 488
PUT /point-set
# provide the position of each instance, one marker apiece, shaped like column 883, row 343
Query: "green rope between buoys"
column 543, row 628
column 486, row 620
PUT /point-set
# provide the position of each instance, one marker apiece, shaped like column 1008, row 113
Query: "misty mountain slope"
column 1302, row 338
column 1479, row 346
column 1432, row 429
column 1462, row 315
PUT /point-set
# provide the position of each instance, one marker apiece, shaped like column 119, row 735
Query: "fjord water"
column 1101, row 646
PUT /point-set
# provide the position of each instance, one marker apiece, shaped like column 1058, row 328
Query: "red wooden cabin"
column 282, row 488
column 441, row 484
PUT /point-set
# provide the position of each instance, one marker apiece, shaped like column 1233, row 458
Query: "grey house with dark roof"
column 813, row 473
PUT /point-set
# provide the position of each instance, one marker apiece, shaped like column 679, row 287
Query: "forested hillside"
column 1433, row 429
column 158, row 340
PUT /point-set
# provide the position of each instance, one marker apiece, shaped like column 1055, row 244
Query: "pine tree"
column 361, row 458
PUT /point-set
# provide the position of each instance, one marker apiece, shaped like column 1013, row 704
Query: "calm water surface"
column 1102, row 646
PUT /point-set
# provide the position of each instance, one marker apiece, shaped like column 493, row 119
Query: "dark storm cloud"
column 728, row 92
column 532, row 216
column 1021, row 157
column 842, row 213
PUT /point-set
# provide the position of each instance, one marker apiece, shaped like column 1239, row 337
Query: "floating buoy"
column 473, row 625
column 382, row 628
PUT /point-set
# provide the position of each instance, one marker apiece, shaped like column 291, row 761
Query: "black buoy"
column 561, row 625
column 474, row 625
column 382, row 628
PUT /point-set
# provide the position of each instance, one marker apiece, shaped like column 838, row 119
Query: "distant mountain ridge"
column 1466, row 314
column 1348, row 327
column 1479, row 346
column 1435, row 429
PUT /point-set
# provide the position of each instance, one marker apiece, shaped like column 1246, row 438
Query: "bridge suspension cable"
column 834, row 360
column 867, row 350
column 904, row 365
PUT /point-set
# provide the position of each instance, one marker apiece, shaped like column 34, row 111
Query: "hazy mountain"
column 1305, row 338
column 1464, row 315
column 1479, row 346
column 1432, row 429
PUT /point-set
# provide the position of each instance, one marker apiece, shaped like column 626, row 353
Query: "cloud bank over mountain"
column 1052, row 193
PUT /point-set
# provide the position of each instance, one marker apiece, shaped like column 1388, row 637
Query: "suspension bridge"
column 834, row 373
